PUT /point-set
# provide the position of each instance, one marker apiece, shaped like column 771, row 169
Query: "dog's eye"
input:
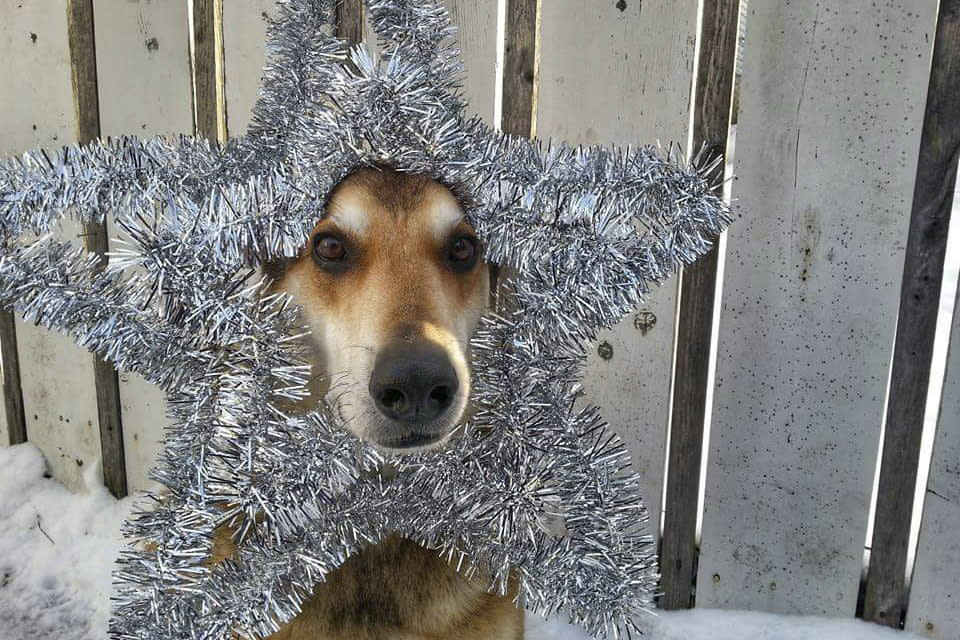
column 329, row 248
column 463, row 253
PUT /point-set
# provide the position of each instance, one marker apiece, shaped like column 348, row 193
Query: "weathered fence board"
column 885, row 598
column 59, row 397
column 712, row 101
column 599, row 82
column 13, row 424
column 826, row 149
column 477, row 39
column 520, row 53
column 207, row 64
column 244, row 53
column 934, row 609
column 143, row 69
column 83, row 69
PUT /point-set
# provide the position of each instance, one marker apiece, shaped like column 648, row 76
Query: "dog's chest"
column 394, row 585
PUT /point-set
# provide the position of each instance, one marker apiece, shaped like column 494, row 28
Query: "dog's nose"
column 413, row 383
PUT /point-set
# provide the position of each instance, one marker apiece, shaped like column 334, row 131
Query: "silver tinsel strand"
column 585, row 231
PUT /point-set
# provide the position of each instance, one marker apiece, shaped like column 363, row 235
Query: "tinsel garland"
column 585, row 231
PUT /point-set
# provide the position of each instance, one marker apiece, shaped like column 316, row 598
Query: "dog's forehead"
column 373, row 200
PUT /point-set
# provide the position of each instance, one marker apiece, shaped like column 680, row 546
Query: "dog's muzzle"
column 413, row 385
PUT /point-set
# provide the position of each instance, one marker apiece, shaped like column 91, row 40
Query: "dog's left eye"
column 328, row 248
column 463, row 253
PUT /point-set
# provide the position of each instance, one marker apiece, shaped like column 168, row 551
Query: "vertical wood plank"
column 143, row 65
column 826, row 156
column 885, row 597
column 83, row 63
column 207, row 52
column 934, row 607
column 600, row 83
column 477, row 40
column 59, row 397
column 711, row 120
column 934, row 610
column 520, row 67
column 244, row 53
column 350, row 21
column 14, row 421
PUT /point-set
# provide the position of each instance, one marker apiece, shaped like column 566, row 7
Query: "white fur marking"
column 444, row 215
column 350, row 217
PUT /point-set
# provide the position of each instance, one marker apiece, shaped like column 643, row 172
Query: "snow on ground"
column 57, row 551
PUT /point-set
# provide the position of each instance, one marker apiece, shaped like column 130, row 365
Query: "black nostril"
column 393, row 399
column 441, row 397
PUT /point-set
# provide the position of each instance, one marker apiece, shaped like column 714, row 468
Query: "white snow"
column 57, row 550
column 714, row 624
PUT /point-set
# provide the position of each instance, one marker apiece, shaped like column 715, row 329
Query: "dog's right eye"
column 328, row 249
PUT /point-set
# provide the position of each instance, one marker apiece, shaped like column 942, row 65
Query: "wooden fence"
column 847, row 138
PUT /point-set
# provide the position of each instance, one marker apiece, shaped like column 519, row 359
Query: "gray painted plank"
column 601, row 83
column 143, row 70
column 59, row 396
column 826, row 157
column 244, row 53
column 476, row 24
column 698, row 284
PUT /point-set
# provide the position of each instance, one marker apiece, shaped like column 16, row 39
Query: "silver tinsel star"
column 585, row 231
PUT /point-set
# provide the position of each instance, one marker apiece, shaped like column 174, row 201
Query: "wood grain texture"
column 830, row 116
column 206, row 78
column 83, row 66
column 350, row 21
column 602, row 82
column 520, row 68
column 83, row 69
column 15, row 422
column 59, row 398
column 144, row 78
column 885, row 597
column 934, row 608
column 698, row 283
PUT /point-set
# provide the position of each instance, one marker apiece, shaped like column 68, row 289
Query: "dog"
column 392, row 284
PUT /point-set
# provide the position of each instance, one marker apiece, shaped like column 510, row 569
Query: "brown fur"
column 398, row 286
column 396, row 590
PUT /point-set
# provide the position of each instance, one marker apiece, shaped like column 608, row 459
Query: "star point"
column 536, row 489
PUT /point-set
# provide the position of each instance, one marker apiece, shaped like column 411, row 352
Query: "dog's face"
column 392, row 285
